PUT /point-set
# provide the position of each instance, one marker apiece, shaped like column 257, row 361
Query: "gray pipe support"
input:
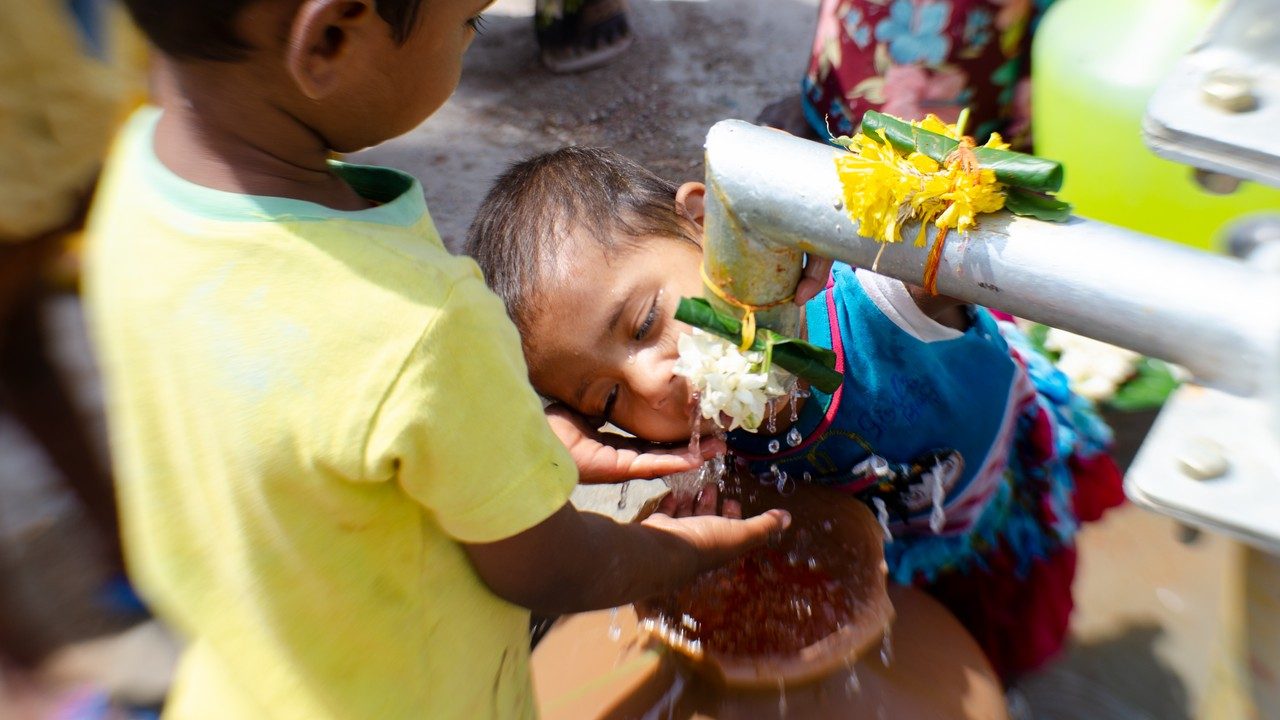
column 1216, row 316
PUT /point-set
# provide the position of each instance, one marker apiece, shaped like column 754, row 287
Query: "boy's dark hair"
column 206, row 29
column 526, row 219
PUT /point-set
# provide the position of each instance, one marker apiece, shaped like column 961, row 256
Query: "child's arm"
column 575, row 561
column 609, row 458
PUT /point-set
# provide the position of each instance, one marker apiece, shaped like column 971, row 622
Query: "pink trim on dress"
column 837, row 346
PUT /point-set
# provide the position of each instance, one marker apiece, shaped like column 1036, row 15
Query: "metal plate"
column 1219, row 108
column 1168, row 475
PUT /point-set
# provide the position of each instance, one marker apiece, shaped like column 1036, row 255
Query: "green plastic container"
column 1095, row 64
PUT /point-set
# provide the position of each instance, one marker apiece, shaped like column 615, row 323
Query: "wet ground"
column 1146, row 629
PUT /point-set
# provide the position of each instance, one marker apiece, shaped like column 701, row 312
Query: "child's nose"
column 657, row 385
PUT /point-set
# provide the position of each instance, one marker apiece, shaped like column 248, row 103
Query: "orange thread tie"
column 748, row 311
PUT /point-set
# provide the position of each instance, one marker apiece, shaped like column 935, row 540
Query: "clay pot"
column 843, row 533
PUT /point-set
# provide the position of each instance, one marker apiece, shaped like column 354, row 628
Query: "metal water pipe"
column 772, row 196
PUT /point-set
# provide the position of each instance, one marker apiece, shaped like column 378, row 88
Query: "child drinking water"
column 591, row 253
column 335, row 478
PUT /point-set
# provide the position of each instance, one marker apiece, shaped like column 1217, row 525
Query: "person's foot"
column 788, row 116
column 585, row 38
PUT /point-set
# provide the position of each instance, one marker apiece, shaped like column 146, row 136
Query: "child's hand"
column 813, row 279
column 715, row 540
column 705, row 502
column 608, row 458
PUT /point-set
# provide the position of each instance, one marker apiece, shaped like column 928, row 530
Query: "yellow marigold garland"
column 884, row 188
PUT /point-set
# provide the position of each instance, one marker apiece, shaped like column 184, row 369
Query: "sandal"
column 584, row 35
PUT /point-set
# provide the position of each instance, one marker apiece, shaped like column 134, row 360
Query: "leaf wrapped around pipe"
column 1037, row 205
column 1011, row 168
column 802, row 359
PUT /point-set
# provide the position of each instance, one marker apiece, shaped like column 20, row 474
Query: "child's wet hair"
column 206, row 29
column 522, row 229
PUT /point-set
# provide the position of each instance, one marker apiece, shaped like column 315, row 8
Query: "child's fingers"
column 667, row 506
column 742, row 535
column 712, row 447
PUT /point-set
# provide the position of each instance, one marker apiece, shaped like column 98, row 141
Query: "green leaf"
column 802, row 359
column 1011, row 168
column 1033, row 204
column 1152, row 384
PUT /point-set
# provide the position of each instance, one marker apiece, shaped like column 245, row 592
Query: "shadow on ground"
column 693, row 63
column 1115, row 678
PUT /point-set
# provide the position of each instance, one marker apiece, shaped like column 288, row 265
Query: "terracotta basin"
column 595, row 666
column 834, row 532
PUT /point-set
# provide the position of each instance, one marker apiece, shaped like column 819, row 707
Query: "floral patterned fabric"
column 913, row 57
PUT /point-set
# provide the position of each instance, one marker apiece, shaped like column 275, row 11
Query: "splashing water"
column 937, row 494
column 771, row 418
column 782, row 698
column 882, row 515
column 780, row 480
column 886, row 646
column 615, row 628
column 695, row 427
column 794, row 437
column 853, row 685
column 794, row 398
column 774, row 446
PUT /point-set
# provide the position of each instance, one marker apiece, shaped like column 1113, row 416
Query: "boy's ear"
column 691, row 201
column 321, row 38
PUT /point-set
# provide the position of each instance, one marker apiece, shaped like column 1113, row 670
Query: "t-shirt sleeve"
column 462, row 430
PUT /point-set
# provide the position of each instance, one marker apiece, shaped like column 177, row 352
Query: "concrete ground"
column 1145, row 634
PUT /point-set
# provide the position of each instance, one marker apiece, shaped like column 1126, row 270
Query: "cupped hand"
column 608, row 458
column 705, row 502
column 715, row 540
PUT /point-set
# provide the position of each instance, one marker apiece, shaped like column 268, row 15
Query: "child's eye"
column 607, row 413
column 477, row 23
column 649, row 319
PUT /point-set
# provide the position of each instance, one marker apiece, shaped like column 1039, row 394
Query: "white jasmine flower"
column 1095, row 369
column 727, row 380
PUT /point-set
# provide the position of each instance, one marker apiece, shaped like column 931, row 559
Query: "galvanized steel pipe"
column 771, row 195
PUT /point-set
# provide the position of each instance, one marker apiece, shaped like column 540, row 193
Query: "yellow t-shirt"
column 310, row 410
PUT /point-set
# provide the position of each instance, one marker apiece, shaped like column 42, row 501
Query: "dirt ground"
column 1144, row 635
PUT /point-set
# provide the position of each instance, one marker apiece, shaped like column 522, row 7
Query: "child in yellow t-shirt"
column 335, row 478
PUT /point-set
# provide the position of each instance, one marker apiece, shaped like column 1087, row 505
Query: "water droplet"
column 808, row 476
column 882, row 515
column 886, row 646
column 774, row 446
column 782, row 698
column 854, row 684
column 786, row 486
column 937, row 494
column 794, row 437
column 770, row 409
column 615, row 629
column 695, row 428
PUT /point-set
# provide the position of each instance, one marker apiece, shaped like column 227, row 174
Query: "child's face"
column 425, row 70
column 604, row 338
column 361, row 85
